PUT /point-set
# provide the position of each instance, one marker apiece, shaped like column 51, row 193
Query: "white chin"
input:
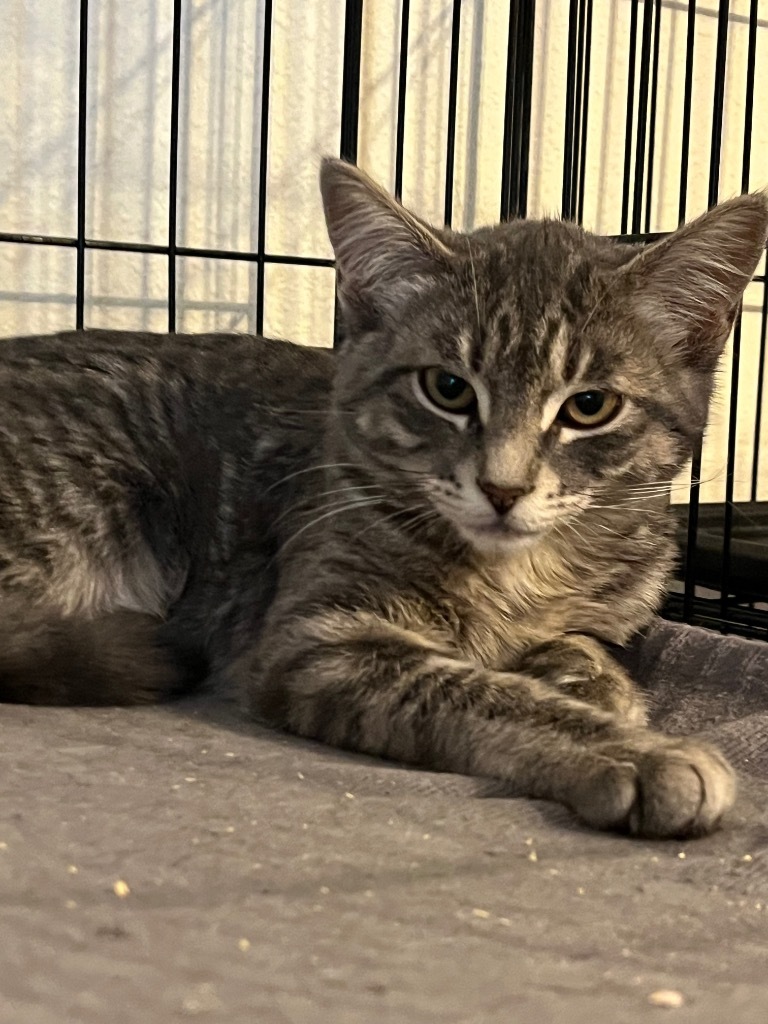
column 499, row 541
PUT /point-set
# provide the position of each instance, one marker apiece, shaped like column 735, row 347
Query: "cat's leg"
column 359, row 682
column 579, row 666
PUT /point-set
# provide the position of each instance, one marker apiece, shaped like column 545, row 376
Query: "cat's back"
column 78, row 377
column 95, row 407
column 114, row 355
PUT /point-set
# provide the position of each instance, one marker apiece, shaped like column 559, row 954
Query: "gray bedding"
column 274, row 880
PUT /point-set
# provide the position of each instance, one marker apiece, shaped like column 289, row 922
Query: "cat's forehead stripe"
column 464, row 342
column 558, row 350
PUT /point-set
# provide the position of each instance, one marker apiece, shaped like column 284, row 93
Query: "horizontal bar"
column 128, row 302
column 65, row 242
column 742, row 622
column 163, row 250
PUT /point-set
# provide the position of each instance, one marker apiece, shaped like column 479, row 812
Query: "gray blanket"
column 178, row 863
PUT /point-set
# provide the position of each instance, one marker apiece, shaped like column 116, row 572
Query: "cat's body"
column 141, row 473
column 408, row 547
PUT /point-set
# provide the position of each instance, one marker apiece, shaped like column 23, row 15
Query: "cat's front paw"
column 613, row 693
column 578, row 666
column 657, row 787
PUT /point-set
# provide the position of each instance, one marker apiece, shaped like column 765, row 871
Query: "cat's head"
column 513, row 377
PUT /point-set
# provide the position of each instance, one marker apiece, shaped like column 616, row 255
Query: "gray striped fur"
column 304, row 526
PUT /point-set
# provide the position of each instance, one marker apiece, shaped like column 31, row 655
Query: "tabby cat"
column 416, row 546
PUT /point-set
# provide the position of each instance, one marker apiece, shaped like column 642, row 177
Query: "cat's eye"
column 447, row 390
column 588, row 409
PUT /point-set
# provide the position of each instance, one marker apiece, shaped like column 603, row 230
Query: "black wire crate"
column 718, row 51
column 731, row 570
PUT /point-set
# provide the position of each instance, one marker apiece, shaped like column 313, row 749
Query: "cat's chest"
column 498, row 614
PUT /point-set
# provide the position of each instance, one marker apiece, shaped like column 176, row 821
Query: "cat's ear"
column 686, row 288
column 382, row 250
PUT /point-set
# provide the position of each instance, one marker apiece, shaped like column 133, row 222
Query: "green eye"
column 589, row 409
column 447, row 391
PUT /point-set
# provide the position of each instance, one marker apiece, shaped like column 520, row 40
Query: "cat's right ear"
column 686, row 288
column 383, row 251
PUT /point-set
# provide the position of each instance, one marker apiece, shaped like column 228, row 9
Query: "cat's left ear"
column 686, row 288
column 382, row 250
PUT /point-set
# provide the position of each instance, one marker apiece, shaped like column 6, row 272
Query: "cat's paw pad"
column 664, row 789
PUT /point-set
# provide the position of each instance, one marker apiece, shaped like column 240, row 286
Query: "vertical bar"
column 642, row 116
column 82, row 125
column 689, row 560
column 350, row 88
column 759, row 397
column 585, row 114
column 525, row 134
column 517, row 110
column 173, row 170
column 733, row 408
column 577, row 132
column 570, row 112
column 652, row 118
column 350, row 107
column 725, row 569
column 401, row 89
column 630, row 116
column 263, row 152
column 452, row 93
column 687, row 94
column 714, row 184
column 749, row 98
column 718, row 101
column 510, row 146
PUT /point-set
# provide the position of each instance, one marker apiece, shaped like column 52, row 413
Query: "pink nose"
column 502, row 498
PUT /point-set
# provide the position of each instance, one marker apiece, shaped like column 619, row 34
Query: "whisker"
column 647, row 495
column 312, row 469
column 392, row 515
column 474, row 281
column 299, row 411
column 362, row 503
column 421, row 520
column 675, row 483
column 623, row 508
column 310, row 498
column 586, row 530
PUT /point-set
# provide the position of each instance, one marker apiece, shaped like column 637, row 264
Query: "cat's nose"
column 502, row 498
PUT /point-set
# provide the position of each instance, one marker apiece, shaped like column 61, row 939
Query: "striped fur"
column 309, row 528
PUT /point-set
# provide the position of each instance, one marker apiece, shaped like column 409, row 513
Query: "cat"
column 420, row 546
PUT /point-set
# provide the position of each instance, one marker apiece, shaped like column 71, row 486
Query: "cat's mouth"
column 499, row 533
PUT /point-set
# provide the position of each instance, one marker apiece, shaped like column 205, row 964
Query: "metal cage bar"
column 642, row 116
column 453, row 86
column 173, row 162
column 517, row 110
column 652, row 115
column 350, row 108
column 261, row 232
column 629, row 124
column 402, row 84
column 350, row 86
column 82, row 127
column 725, row 568
column 585, row 114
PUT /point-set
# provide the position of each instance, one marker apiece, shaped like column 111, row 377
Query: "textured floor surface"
column 176, row 863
